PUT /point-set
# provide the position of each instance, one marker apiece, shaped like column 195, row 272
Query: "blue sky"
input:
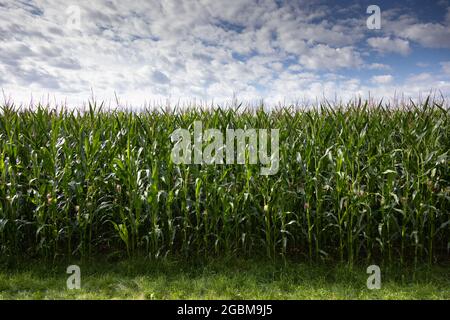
column 279, row 51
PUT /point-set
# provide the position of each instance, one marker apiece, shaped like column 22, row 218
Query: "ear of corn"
column 355, row 182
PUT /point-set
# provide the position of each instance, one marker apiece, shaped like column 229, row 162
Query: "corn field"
column 356, row 182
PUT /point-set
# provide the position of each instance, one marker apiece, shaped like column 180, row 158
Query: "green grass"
column 356, row 182
column 220, row 279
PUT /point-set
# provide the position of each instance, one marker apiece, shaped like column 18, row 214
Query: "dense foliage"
column 355, row 182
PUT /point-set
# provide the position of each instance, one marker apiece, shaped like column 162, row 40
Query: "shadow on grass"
column 219, row 279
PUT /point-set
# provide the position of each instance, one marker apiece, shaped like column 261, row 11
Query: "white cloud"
column 382, row 79
column 446, row 67
column 386, row 44
column 408, row 26
column 378, row 66
column 323, row 57
column 430, row 35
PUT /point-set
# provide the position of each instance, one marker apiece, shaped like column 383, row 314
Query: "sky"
column 140, row 53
